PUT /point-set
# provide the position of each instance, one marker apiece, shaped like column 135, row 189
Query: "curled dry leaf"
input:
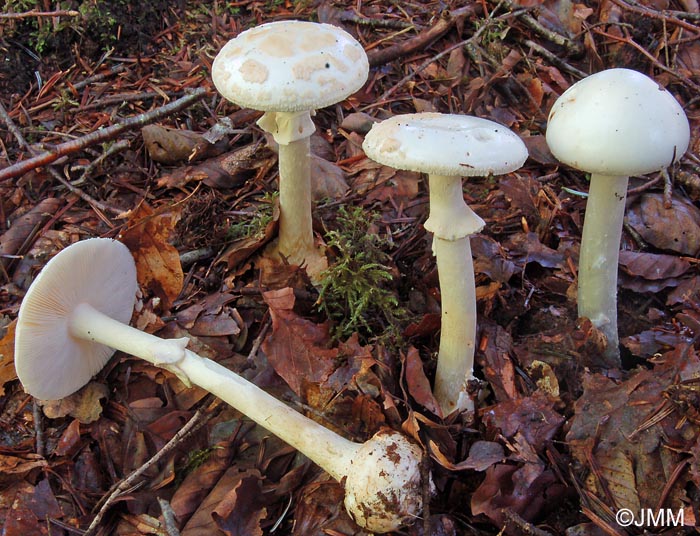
column 157, row 261
column 675, row 229
column 85, row 405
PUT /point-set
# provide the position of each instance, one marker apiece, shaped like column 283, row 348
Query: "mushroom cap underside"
column 617, row 122
column 50, row 362
column 290, row 66
column 445, row 144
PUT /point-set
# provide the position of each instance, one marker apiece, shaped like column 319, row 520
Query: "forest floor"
column 560, row 442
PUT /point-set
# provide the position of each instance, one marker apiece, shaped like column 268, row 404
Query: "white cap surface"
column 290, row 66
column 617, row 122
column 445, row 144
column 50, row 362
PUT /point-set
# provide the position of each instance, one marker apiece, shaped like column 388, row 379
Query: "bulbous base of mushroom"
column 313, row 259
column 384, row 488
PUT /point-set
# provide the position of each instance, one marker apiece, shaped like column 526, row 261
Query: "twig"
column 33, row 13
column 196, row 422
column 168, row 517
column 523, row 526
column 554, row 59
column 487, row 24
column 628, row 40
column 13, row 128
column 571, row 46
column 423, row 39
column 128, row 97
column 637, row 8
column 349, row 16
column 39, row 429
column 99, row 77
column 101, row 135
column 82, row 195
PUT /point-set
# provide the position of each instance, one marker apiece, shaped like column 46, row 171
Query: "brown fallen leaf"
column 675, row 229
column 624, row 429
column 22, row 227
column 652, row 266
column 157, row 261
column 84, row 405
column 26, row 509
column 418, row 384
column 296, row 348
column 7, row 357
column 242, row 509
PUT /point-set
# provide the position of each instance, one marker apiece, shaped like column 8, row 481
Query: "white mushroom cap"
column 617, row 122
column 445, row 144
column 290, row 66
column 98, row 271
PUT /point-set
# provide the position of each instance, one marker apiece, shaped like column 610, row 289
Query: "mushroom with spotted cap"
column 448, row 147
column 76, row 314
column 612, row 124
column 288, row 69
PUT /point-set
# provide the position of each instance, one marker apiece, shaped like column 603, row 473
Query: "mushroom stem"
column 296, row 237
column 324, row 447
column 455, row 362
column 292, row 132
column 599, row 255
column 450, row 217
column 382, row 476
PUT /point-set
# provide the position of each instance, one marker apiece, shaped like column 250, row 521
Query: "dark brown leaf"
column 297, row 348
column 675, row 229
column 242, row 510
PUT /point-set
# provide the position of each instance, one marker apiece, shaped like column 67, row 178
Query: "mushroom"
column 288, row 69
column 448, row 147
column 612, row 124
column 76, row 314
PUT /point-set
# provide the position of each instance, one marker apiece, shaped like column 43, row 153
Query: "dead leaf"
column 327, row 180
column 28, row 508
column 532, row 417
column 418, row 384
column 157, row 261
column 172, row 145
column 7, row 357
column 242, row 509
column 675, row 229
column 297, row 348
column 85, row 405
column 652, row 266
column 23, row 226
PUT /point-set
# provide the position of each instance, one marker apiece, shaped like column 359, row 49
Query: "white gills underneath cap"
column 290, row 66
column 50, row 362
column 617, row 122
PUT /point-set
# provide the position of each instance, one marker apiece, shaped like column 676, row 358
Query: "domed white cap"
column 445, row 144
column 50, row 362
column 617, row 122
column 290, row 66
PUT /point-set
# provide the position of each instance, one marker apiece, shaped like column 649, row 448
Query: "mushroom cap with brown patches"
column 290, row 66
column 445, row 144
column 617, row 122
column 50, row 362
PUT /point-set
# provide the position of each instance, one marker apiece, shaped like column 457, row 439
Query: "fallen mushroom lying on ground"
column 76, row 314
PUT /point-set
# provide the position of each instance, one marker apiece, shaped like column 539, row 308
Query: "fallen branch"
column 422, row 40
column 100, row 136
column 33, row 13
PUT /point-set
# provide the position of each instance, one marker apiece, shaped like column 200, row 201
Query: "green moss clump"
column 354, row 291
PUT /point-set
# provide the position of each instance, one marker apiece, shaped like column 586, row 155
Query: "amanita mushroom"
column 448, row 147
column 288, row 69
column 612, row 124
column 75, row 314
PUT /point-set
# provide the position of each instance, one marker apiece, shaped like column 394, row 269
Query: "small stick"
column 196, row 422
column 33, row 13
column 554, row 59
column 100, row 136
column 13, row 128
